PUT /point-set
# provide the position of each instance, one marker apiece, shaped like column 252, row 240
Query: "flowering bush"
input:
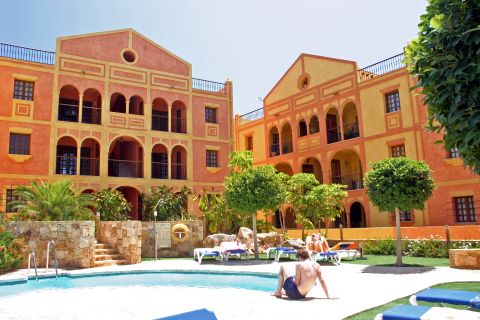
column 380, row 247
column 12, row 250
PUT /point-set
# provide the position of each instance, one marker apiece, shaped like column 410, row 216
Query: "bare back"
column 306, row 273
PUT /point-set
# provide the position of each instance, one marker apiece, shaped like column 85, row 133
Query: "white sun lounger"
column 199, row 253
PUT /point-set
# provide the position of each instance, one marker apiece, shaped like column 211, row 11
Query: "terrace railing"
column 383, row 67
column 252, row 115
column 352, row 181
column 26, row 54
column 209, row 86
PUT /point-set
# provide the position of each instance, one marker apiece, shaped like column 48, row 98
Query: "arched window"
column 68, row 104
column 118, row 103
column 314, row 125
column 135, row 105
column 302, row 128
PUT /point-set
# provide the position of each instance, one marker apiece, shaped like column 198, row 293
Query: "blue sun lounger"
column 471, row 299
column 405, row 312
column 278, row 251
column 201, row 314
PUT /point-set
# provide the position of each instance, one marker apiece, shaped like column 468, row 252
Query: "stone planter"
column 465, row 258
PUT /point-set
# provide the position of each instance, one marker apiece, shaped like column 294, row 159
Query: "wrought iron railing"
column 159, row 123
column 89, row 166
column 352, row 181
column 67, row 112
column 287, row 147
column 333, row 135
column 350, row 131
column 179, row 125
column 91, row 115
column 160, row 170
column 209, row 86
column 66, row 165
column 275, row 149
column 125, row 168
column 179, row 171
column 382, row 67
column 26, row 54
column 252, row 115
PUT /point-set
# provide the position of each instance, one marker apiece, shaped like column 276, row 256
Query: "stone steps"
column 105, row 255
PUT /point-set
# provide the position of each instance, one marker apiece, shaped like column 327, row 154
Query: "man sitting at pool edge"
column 306, row 273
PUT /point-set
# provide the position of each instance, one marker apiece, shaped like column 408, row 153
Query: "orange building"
column 110, row 109
column 327, row 117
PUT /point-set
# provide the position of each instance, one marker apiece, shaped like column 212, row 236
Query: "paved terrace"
column 356, row 287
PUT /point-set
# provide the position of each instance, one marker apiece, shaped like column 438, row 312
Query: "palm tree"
column 52, row 202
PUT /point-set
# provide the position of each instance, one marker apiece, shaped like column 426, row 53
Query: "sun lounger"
column 405, row 312
column 278, row 251
column 471, row 299
column 199, row 253
column 346, row 250
column 201, row 314
column 322, row 252
column 229, row 248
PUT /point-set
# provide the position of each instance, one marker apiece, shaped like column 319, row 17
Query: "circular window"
column 303, row 81
column 129, row 56
column 180, row 232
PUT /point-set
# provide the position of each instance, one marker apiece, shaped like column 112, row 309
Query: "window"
column 464, row 209
column 19, row 143
column 212, row 158
column 302, row 128
column 398, row 151
column 393, row 101
column 210, row 115
column 406, row 216
column 10, row 197
column 23, row 90
column 454, row 153
column 249, row 143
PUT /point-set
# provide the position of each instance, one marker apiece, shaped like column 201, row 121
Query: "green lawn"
column 371, row 313
column 390, row 260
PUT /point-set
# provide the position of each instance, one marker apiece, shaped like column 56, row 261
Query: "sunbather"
column 306, row 273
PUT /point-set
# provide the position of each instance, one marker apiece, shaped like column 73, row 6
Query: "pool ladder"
column 32, row 255
column 52, row 243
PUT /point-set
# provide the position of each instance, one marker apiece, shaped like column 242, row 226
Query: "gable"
column 319, row 70
column 110, row 46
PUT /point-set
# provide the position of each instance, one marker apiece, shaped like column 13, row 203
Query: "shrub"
column 112, row 205
column 380, row 247
column 12, row 251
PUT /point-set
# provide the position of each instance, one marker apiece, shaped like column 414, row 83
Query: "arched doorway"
column 287, row 145
column 92, row 107
column 135, row 105
column 125, row 158
column 159, row 162
column 314, row 125
column 290, row 219
column 312, row 165
column 302, row 128
column 274, row 142
column 346, row 169
column 133, row 197
column 118, row 103
column 66, row 156
column 350, row 122
column 68, row 104
column 179, row 163
column 285, row 168
column 159, row 115
column 357, row 216
column 179, row 117
column 332, row 125
column 90, row 158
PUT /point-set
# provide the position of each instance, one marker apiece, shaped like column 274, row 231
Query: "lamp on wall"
column 347, row 163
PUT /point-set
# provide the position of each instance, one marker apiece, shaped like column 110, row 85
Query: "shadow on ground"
column 391, row 269
column 237, row 262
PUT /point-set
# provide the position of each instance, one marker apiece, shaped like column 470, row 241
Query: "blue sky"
column 253, row 42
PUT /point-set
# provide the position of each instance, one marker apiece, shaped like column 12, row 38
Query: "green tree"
column 445, row 60
column 51, row 202
column 169, row 205
column 218, row 216
column 396, row 184
column 112, row 205
column 326, row 201
column 249, row 190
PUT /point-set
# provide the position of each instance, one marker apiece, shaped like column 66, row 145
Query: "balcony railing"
column 350, row 131
column 287, row 147
column 275, row 149
column 125, row 168
column 209, row 86
column 66, row 165
column 352, row 181
column 26, row 54
column 333, row 135
column 382, row 67
column 67, row 112
column 179, row 125
column 252, row 115
column 179, row 171
column 89, row 166
column 160, row 170
column 91, row 115
column 159, row 123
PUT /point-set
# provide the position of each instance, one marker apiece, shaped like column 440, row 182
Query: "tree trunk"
column 255, row 243
column 398, row 263
column 282, row 222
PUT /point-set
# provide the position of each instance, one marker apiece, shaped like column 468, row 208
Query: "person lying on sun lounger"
column 306, row 273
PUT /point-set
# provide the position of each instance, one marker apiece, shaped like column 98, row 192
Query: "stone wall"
column 168, row 244
column 74, row 241
column 465, row 258
column 125, row 237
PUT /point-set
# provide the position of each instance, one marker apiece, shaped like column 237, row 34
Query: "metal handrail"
column 252, row 115
column 30, row 255
column 26, row 54
column 383, row 67
column 209, row 86
column 54, row 257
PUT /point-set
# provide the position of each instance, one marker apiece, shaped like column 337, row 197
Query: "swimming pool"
column 258, row 282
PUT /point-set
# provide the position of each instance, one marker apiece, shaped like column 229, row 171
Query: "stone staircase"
column 105, row 255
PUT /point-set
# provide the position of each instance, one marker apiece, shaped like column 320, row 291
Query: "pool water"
column 177, row 279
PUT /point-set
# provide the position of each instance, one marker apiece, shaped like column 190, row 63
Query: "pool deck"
column 355, row 287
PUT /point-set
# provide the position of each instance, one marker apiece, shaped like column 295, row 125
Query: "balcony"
column 275, row 149
column 350, row 131
column 91, row 115
column 333, row 135
column 179, row 171
column 287, row 147
column 26, row 54
column 89, row 166
column 67, row 112
column 179, row 125
column 160, row 122
column 66, row 165
column 159, row 170
column 209, row 86
column 125, row 168
column 352, row 181
column 383, row 67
